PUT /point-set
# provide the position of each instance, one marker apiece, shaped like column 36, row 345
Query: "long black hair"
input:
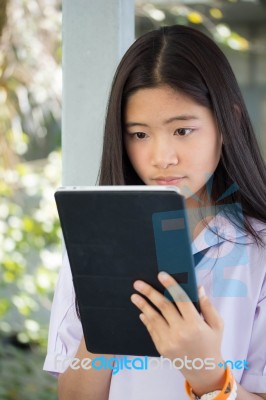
column 190, row 62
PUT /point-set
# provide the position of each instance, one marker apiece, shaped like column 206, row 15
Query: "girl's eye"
column 139, row 135
column 183, row 131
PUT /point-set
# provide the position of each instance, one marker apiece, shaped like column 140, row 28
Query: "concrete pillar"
column 96, row 33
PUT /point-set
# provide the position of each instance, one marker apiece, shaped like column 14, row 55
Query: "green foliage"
column 30, row 80
column 30, row 170
column 30, row 98
column 3, row 4
column 30, row 247
column 21, row 375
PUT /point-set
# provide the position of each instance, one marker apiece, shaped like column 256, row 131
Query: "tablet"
column 115, row 235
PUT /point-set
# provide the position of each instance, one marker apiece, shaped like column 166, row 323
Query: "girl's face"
column 171, row 140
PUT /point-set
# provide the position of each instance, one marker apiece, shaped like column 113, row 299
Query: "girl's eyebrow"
column 183, row 117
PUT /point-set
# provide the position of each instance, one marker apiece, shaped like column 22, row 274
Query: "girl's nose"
column 163, row 155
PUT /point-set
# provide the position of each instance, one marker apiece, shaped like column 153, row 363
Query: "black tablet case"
column 114, row 238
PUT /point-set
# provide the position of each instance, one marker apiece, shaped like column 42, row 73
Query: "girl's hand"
column 183, row 334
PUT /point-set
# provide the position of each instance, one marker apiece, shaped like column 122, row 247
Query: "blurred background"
column 30, row 157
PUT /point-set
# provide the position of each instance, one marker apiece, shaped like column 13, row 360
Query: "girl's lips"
column 171, row 181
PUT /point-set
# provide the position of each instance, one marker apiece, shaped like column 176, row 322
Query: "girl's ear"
column 221, row 140
column 237, row 113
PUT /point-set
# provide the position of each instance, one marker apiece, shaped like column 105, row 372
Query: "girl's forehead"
column 162, row 100
column 160, row 90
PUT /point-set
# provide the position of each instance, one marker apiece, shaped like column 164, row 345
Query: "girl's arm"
column 84, row 384
column 186, row 334
column 242, row 394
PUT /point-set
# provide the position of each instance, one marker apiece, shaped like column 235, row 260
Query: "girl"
column 176, row 117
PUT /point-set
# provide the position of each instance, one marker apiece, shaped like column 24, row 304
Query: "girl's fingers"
column 165, row 306
column 209, row 312
column 179, row 296
column 154, row 333
column 151, row 317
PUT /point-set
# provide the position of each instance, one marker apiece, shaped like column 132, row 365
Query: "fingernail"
column 142, row 317
column 163, row 275
column 135, row 299
column 138, row 285
column 202, row 292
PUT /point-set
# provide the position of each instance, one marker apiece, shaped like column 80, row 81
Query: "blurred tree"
column 30, row 79
column 30, row 164
column 30, row 170
column 3, row 4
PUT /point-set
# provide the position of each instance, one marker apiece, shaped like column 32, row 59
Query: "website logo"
column 117, row 364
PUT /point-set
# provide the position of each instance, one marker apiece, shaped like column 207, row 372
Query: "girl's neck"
column 198, row 216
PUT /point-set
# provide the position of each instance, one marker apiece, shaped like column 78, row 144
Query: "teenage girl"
column 176, row 117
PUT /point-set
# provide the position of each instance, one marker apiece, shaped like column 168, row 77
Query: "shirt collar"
column 224, row 227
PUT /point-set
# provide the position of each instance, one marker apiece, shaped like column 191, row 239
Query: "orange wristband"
column 224, row 393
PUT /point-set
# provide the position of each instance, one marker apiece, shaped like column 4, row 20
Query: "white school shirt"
column 236, row 285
